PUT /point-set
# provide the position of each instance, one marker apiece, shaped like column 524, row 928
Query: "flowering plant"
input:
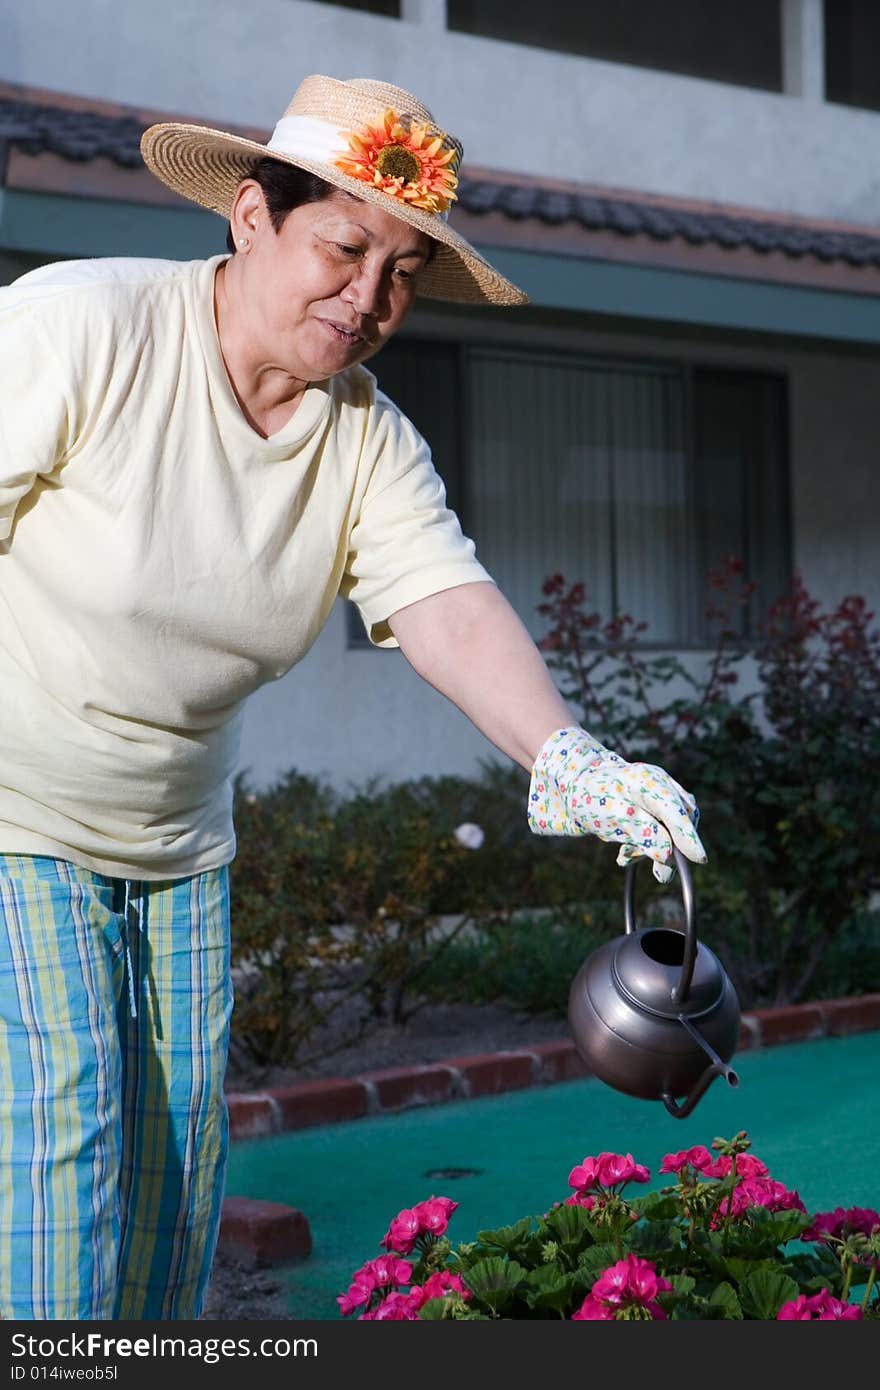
column 724, row 1240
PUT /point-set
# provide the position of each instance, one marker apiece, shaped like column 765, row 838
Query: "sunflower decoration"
column 408, row 161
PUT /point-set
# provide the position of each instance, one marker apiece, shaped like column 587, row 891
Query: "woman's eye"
column 403, row 274
column 347, row 250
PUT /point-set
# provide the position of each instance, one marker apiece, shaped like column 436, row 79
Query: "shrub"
column 343, row 908
column 529, row 961
column 787, row 776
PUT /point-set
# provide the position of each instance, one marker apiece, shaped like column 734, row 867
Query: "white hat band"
column 305, row 137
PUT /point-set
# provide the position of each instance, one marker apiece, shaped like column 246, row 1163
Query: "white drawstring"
column 128, row 910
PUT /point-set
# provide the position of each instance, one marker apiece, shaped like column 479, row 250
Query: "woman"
column 194, row 465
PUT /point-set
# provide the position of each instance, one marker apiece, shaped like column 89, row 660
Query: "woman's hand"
column 578, row 787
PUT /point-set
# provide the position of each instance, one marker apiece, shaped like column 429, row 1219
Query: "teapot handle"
column 680, row 992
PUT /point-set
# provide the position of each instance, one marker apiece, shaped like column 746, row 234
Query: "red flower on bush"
column 609, row 1170
column 627, row 1290
column 839, row 1223
column 757, row 1192
column 430, row 1217
column 698, row 1158
column 822, row 1307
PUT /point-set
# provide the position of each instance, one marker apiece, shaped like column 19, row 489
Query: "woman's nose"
column 364, row 291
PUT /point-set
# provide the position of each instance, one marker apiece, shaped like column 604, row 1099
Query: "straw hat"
column 375, row 141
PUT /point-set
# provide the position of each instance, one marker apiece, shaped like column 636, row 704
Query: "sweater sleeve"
column 406, row 543
column 34, row 404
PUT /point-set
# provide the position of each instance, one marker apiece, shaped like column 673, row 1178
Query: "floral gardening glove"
column 580, row 788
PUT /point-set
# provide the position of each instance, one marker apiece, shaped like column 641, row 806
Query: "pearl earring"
column 242, row 241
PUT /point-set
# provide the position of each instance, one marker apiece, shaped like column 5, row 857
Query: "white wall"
column 528, row 110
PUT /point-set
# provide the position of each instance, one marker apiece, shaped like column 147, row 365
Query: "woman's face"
column 330, row 288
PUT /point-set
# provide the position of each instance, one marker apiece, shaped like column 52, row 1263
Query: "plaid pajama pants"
column 115, row 1002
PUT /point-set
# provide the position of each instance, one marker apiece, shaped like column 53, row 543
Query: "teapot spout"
column 683, row 1108
column 703, row 1082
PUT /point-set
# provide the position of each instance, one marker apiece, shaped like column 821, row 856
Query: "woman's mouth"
column 349, row 336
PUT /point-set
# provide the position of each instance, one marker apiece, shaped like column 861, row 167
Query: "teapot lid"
column 647, row 969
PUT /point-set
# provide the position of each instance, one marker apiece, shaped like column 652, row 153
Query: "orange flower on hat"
column 409, row 162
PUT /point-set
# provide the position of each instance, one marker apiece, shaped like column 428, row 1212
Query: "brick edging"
column 283, row 1108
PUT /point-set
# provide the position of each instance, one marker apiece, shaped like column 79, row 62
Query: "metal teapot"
column 635, row 1003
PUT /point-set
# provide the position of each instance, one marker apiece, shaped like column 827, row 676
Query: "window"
column 637, row 479
column 740, row 482
column 581, row 468
column 852, row 43
column 739, row 43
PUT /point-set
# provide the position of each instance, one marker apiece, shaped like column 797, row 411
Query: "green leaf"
column 549, row 1288
column 451, row 1310
column 778, row 1226
column 814, row 1270
column 505, row 1238
column 763, row 1293
column 596, row 1259
column 570, row 1225
column 725, row 1299
column 657, row 1207
column 495, row 1281
column 682, row 1284
column 739, row 1270
column 654, row 1238
column 435, row 1310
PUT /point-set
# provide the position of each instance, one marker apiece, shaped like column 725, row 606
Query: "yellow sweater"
column 159, row 560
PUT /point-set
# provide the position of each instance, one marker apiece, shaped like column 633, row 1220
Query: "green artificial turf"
column 811, row 1109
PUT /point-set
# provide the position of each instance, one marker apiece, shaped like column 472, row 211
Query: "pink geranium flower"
column 425, row 1218
column 437, row 1285
column 396, row 1307
column 585, row 1174
column 403, row 1232
column 357, row 1296
column 617, row 1169
column 863, row 1219
column 698, row 1158
column 607, row 1170
column 591, row 1310
column 375, row 1274
column 841, row 1223
column 580, row 1199
column 821, row 1307
column 387, row 1269
column 747, row 1166
column 758, row 1192
column 631, row 1283
column 434, row 1214
column 825, row 1223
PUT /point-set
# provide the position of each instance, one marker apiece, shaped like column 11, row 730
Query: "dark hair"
column 285, row 187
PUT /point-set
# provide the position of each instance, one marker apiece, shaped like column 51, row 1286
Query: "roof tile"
column 85, row 135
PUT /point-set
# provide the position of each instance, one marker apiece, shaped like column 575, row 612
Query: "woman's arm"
column 470, row 645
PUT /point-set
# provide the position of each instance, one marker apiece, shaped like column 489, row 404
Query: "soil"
column 238, row 1293
column 436, row 1032
column 440, row 1031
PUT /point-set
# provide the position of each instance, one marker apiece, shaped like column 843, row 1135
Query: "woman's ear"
column 246, row 215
